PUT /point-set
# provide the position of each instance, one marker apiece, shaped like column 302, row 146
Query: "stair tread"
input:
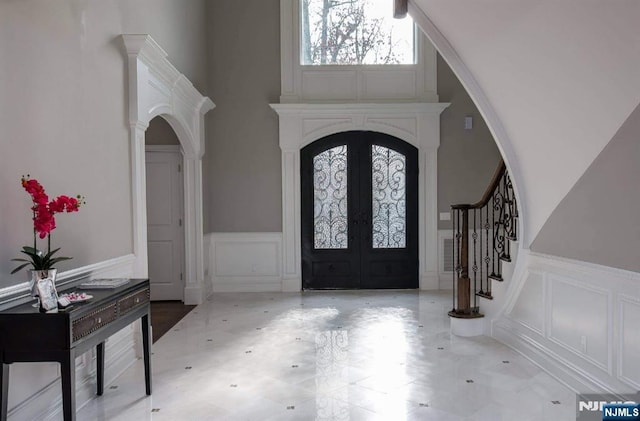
column 486, row 295
column 496, row 278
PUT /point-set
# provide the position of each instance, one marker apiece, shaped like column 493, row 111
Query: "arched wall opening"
column 165, row 211
column 156, row 88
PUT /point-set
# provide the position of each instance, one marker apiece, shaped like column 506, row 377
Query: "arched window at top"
column 354, row 32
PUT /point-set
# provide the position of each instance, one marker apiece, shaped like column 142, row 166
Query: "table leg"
column 68, row 368
column 4, row 390
column 100, row 367
column 146, row 345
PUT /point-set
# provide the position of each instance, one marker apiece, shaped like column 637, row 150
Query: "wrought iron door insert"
column 359, row 212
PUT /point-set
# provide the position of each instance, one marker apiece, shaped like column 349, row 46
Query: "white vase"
column 42, row 284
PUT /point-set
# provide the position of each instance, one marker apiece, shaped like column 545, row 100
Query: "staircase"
column 484, row 246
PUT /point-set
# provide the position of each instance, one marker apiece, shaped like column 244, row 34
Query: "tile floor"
column 368, row 355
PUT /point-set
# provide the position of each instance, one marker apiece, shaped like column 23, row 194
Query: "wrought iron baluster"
column 475, row 260
column 493, row 227
column 507, row 219
column 482, row 286
column 498, row 230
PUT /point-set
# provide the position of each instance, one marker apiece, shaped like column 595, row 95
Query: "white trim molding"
column 245, row 262
column 579, row 321
column 416, row 123
column 157, row 88
column 113, row 268
column 351, row 83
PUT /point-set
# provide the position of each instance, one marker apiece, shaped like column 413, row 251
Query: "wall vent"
column 447, row 255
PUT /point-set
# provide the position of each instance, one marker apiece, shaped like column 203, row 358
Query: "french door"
column 359, row 204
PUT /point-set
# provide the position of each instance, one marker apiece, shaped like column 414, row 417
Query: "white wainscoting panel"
column 629, row 342
column 383, row 84
column 580, row 320
column 577, row 320
column 338, row 85
column 245, row 262
column 527, row 310
column 35, row 390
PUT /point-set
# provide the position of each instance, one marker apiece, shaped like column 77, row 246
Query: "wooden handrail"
column 481, row 235
column 497, row 176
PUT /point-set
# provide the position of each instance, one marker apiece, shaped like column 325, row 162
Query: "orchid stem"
column 34, row 230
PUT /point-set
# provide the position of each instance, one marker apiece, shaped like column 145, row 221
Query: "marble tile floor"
column 339, row 355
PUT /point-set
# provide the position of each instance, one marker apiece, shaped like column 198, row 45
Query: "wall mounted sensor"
column 468, row 122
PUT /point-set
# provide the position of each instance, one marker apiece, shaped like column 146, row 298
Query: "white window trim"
column 305, row 83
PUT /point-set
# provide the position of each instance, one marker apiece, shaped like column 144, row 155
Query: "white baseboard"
column 245, row 262
column 193, row 295
column 577, row 320
column 38, row 385
column 292, row 285
column 429, row 281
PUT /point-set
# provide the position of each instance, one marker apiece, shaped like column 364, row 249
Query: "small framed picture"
column 48, row 294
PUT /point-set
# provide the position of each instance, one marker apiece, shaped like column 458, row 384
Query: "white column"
column 194, row 262
column 429, row 141
column 429, row 218
column 292, row 254
column 139, row 199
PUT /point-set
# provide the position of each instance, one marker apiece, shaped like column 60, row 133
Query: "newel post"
column 464, row 283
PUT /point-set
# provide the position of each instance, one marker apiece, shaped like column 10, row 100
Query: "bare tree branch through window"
column 354, row 32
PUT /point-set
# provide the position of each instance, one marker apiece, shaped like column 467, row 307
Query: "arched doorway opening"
column 165, row 211
column 156, row 88
column 359, row 204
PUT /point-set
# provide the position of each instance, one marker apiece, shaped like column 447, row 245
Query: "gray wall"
column 598, row 219
column 467, row 159
column 64, row 116
column 160, row 132
column 242, row 163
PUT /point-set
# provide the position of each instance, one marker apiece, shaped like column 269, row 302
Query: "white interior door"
column 165, row 236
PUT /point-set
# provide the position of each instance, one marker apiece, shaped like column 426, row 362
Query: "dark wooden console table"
column 29, row 336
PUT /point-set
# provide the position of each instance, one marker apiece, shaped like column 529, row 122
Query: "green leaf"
column 20, row 267
column 37, row 262
column 28, row 253
column 58, row 259
column 31, row 250
column 20, row 260
column 51, row 253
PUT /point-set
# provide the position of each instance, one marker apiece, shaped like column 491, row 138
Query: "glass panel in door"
column 389, row 198
column 330, row 217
